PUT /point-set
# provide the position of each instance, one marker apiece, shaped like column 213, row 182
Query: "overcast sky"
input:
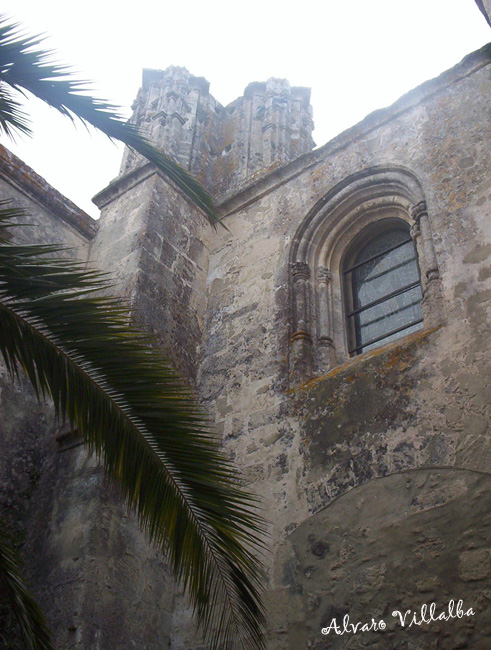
column 356, row 55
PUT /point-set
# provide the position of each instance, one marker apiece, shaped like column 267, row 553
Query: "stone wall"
column 374, row 469
column 27, row 425
column 98, row 579
column 52, row 218
column 86, row 561
column 155, row 242
column 366, row 471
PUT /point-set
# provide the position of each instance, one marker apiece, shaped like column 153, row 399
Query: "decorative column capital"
column 418, row 211
column 323, row 275
column 300, row 271
column 415, row 230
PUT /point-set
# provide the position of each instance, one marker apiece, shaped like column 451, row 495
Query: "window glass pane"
column 385, row 290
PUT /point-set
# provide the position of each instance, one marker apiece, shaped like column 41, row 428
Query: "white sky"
column 356, row 55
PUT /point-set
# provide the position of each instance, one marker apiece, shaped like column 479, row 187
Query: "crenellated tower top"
column 223, row 147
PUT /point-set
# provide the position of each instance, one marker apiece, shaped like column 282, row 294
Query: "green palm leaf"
column 30, row 618
column 77, row 347
column 24, row 67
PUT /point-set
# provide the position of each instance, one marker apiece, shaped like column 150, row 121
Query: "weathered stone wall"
column 86, row 561
column 27, row 425
column 155, row 242
column 367, row 471
column 374, row 475
column 402, row 542
column 26, row 434
column 99, row 579
column 52, row 218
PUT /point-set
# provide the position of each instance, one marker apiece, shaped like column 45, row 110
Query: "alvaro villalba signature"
column 426, row 614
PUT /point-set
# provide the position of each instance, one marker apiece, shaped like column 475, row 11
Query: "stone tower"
column 222, row 147
column 150, row 234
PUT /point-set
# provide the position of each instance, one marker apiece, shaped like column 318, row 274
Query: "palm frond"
column 12, row 118
column 25, row 67
column 28, row 614
column 76, row 346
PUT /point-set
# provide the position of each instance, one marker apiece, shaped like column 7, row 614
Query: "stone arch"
column 394, row 543
column 319, row 244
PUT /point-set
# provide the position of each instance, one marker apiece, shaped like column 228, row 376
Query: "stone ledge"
column 123, row 184
column 398, row 345
column 16, row 173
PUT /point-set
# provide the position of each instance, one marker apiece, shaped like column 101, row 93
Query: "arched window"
column 382, row 287
column 363, row 271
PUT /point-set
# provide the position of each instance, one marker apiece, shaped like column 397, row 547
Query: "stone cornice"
column 123, row 184
column 128, row 181
column 269, row 181
column 19, row 175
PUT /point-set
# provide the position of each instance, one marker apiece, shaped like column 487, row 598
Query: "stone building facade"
column 361, row 418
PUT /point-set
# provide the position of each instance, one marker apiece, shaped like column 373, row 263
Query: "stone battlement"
column 223, row 147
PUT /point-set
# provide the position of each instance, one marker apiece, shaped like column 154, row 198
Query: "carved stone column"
column 420, row 216
column 325, row 337
column 432, row 304
column 415, row 232
column 301, row 358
